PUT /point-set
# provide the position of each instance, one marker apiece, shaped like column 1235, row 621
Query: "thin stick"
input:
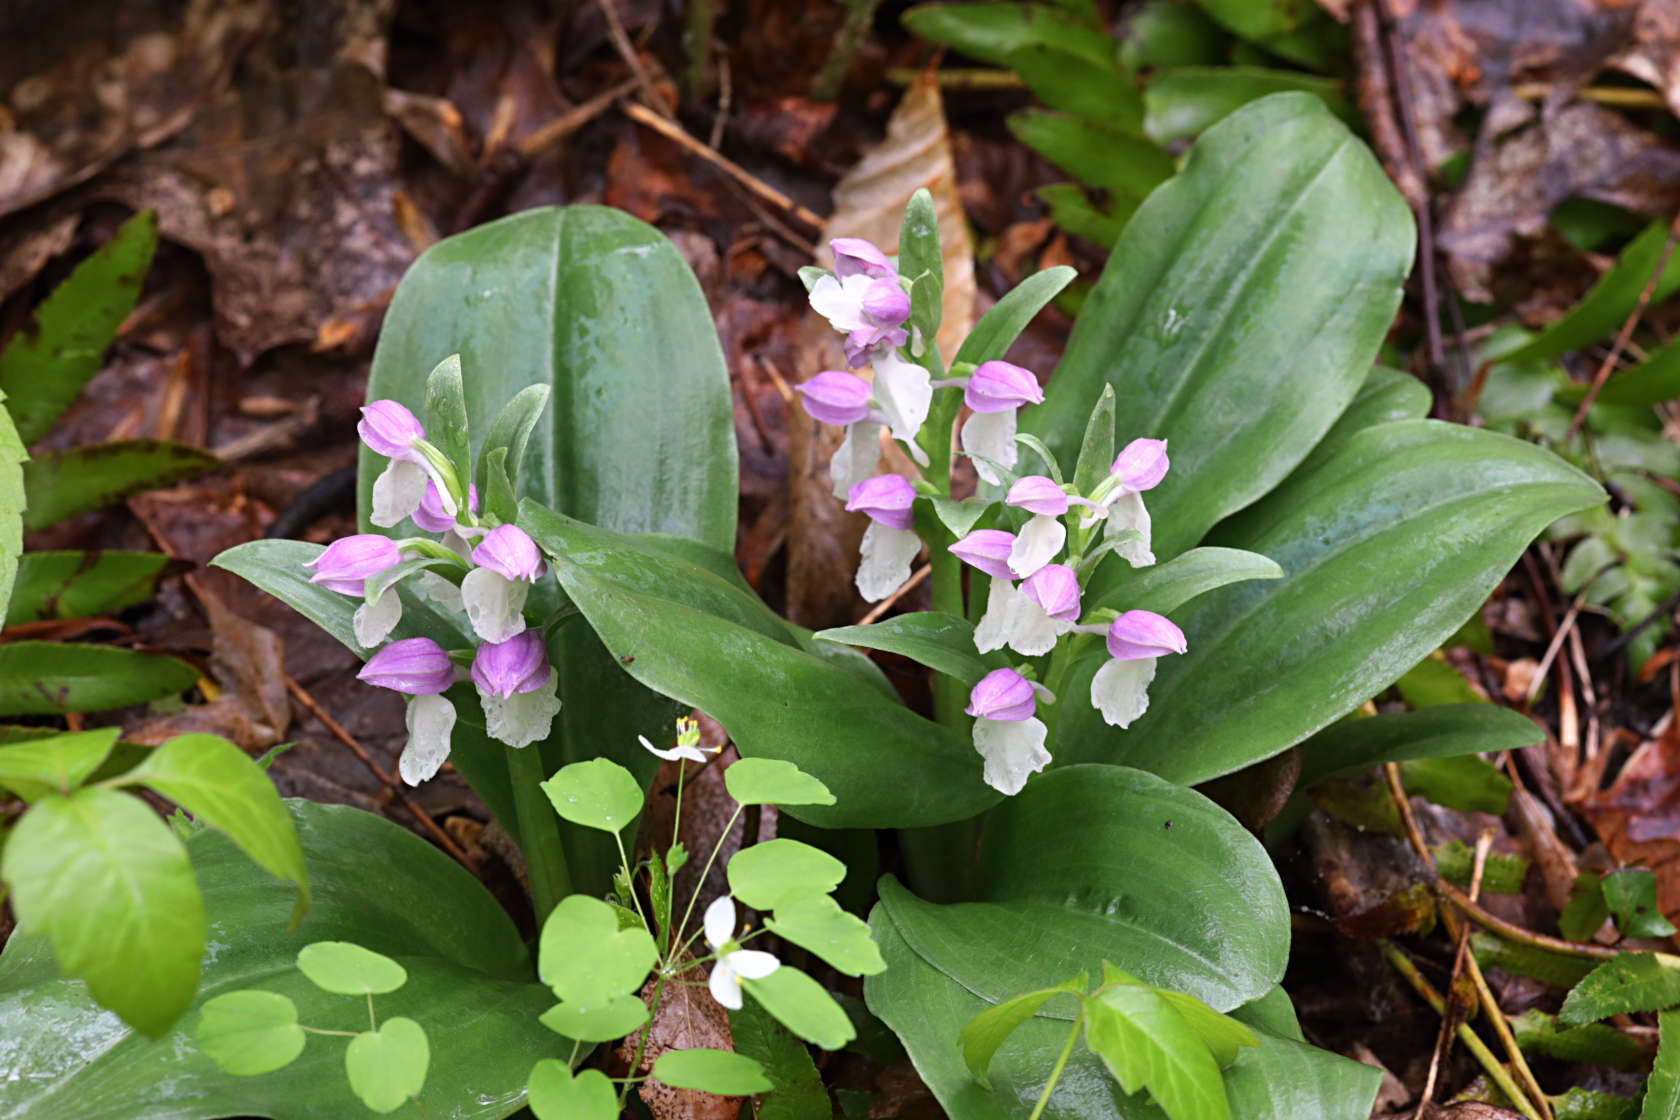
column 572, row 120
column 1622, row 335
column 1391, row 771
column 343, row 736
column 885, row 605
column 627, row 51
column 1513, row 932
column 1604, row 95
column 957, row 78
column 675, row 132
column 1558, row 637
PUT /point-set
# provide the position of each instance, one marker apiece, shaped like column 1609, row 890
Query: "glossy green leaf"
column 1185, row 102
column 62, row 484
column 222, row 787
column 723, row 1072
column 768, row 874
column 447, row 423
column 1096, row 156
column 803, row 1006
column 1631, row 982
column 990, row 31
column 1221, row 1034
column 1385, row 394
column 1071, row 83
column 585, row 957
column 1603, row 309
column 511, row 429
column 59, row 762
column 984, row 1033
column 347, row 969
column 921, row 262
column 961, row 516
column 942, row 642
column 799, row 1093
column 104, row 879
column 388, row 1066
column 249, row 1032
column 1147, row 1045
column 697, row 636
column 598, row 1022
column 1662, row 1090
column 1004, row 321
column 375, row 884
column 557, row 1095
column 1072, row 210
column 815, row 922
column 1173, row 890
column 1387, row 549
column 1631, row 894
column 770, row 781
column 1353, row 746
column 50, row 678
column 598, row 794
column 53, row 585
column 1273, row 260
column 1096, row 450
column 46, row 364
column 1189, row 575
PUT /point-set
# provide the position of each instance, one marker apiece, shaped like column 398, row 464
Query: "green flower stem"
column 1061, row 1062
column 539, row 831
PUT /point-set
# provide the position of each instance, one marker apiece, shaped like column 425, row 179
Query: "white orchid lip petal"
column 886, row 558
column 397, row 492
column 1120, row 690
column 494, row 604
column 856, row 459
column 373, row 622
column 990, row 435
column 1036, row 545
column 1013, row 751
column 719, row 922
column 430, row 720
column 523, row 718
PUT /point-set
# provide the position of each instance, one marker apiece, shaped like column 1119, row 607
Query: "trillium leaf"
column 722, row 1072
column 1146, row 1044
column 250, row 1032
column 388, row 1066
column 770, row 873
column 557, row 1095
column 586, row 958
column 984, row 1033
column 598, row 794
column 816, row 922
column 347, row 969
column 598, row 1022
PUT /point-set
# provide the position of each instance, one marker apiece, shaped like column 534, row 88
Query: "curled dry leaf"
column 1638, row 817
column 687, row 1019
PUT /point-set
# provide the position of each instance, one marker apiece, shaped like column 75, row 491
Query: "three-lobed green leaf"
column 770, row 873
column 773, row 781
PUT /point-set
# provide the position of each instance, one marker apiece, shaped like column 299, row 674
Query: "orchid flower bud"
column 1139, row 634
column 853, row 256
column 416, row 666
column 509, row 551
column 517, row 665
column 389, row 429
column 430, row 516
column 886, row 498
column 1037, row 494
column 1006, row 733
column 998, row 386
column 1002, row 694
column 347, row 563
column 835, row 397
column 987, row 550
column 886, row 304
column 1055, row 588
column 1141, row 464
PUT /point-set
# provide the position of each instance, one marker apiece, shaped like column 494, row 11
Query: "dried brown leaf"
column 687, row 1019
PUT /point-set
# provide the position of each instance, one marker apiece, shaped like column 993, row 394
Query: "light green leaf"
column 597, row 794
column 388, row 1066
column 984, row 1033
column 799, row 1092
column 1166, row 587
column 1071, row 83
column 53, row 585
column 1432, row 683
column 347, row 969
column 1096, row 450
column 1651, row 381
column 921, row 262
column 1273, row 260
column 1662, row 1090
column 600, row 1022
column 1631, row 894
column 12, row 501
column 775, row 871
column 586, row 958
column 1353, row 746
column 1221, row 1034
column 250, row 1032
column 723, row 1072
column 1004, row 321
column 51, row 678
column 990, row 31
column 803, row 1006
column 219, row 785
column 960, row 517
column 816, row 922
column 100, row 875
column 62, row 484
column 1631, row 982
column 942, row 642
column 771, row 781
column 557, row 1095
column 47, row 364
column 59, row 762
column 511, row 429
column 1146, row 1044
column 1072, row 210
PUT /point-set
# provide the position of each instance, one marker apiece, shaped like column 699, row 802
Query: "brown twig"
column 1461, row 955
column 437, row 833
column 1622, row 335
column 1513, row 932
column 627, row 51
column 572, row 120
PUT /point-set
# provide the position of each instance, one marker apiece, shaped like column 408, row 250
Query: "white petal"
column 1120, row 690
column 441, row 591
column 1030, row 631
column 993, row 630
column 397, row 492
column 856, row 459
column 430, row 719
column 904, row 392
column 374, row 621
column 493, row 604
column 724, row 986
column 1012, row 749
column 1128, row 512
column 692, row 754
column 991, row 434
column 751, row 964
column 1037, row 544
column 886, row 556
column 456, row 540
column 524, row 717
column 719, row 922
column 841, row 301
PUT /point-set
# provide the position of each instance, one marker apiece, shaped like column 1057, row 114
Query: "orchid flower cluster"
column 479, row 568
column 1037, row 572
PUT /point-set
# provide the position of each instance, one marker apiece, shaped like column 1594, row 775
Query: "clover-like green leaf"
column 816, row 922
column 598, row 794
column 768, row 874
column 388, row 1066
column 586, row 958
column 350, row 970
column 554, row 1094
column 723, row 1072
column 772, row 781
column 250, row 1032
column 596, row 1022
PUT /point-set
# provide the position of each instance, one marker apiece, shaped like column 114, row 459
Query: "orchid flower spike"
column 1030, row 617
column 1140, row 466
column 889, row 544
column 863, row 300
column 988, row 550
column 516, row 687
column 994, row 391
column 734, row 964
column 1007, row 734
column 1042, row 537
column 391, row 430
column 419, row 668
column 494, row 592
column 1136, row 640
